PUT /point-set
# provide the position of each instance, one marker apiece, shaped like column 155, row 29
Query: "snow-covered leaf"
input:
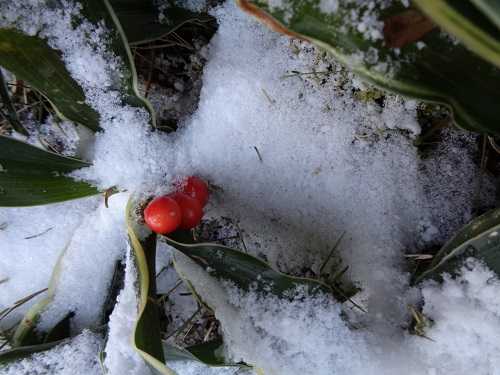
column 244, row 270
column 101, row 10
column 479, row 239
column 398, row 49
column 31, row 59
column 31, row 176
column 15, row 354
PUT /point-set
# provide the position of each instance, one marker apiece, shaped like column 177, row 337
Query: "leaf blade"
column 31, row 176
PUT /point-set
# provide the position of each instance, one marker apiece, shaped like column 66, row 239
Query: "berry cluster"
column 182, row 209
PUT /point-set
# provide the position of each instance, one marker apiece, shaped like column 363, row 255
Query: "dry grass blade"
column 165, row 296
column 419, row 256
column 11, row 114
column 331, row 253
column 258, row 154
column 19, row 303
column 184, row 325
column 494, row 144
column 39, row 234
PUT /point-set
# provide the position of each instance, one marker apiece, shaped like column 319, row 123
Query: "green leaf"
column 244, row 270
column 31, row 176
column 101, row 10
column 146, row 339
column 465, row 21
column 21, row 352
column 490, row 8
column 61, row 330
column 31, row 59
column 442, row 71
column 479, row 239
column 141, row 24
column 208, row 353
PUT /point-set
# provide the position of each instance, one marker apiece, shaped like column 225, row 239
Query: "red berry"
column 196, row 188
column 163, row 215
column 191, row 210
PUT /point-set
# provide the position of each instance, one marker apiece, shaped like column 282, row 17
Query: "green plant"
column 30, row 175
column 405, row 52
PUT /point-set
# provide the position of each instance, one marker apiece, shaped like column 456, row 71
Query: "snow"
column 91, row 254
column 309, row 334
column 466, row 314
column 120, row 358
column 28, row 263
column 78, row 357
column 299, row 159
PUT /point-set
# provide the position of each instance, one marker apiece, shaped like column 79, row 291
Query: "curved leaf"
column 21, row 352
column 442, row 71
column 31, row 59
column 141, row 24
column 490, row 8
column 244, row 270
column 463, row 20
column 146, row 338
column 101, row 10
column 208, row 353
column 31, row 176
column 480, row 239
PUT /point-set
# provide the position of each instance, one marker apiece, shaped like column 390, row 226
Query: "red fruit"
column 191, row 210
column 196, row 188
column 163, row 215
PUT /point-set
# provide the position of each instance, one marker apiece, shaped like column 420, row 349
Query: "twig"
column 11, row 110
column 164, row 296
column 39, row 234
column 108, row 193
column 493, row 144
column 419, row 256
column 184, row 325
column 240, row 236
column 331, row 253
column 209, row 331
column 21, row 302
column 258, row 154
column 161, row 271
column 271, row 100
column 296, row 73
